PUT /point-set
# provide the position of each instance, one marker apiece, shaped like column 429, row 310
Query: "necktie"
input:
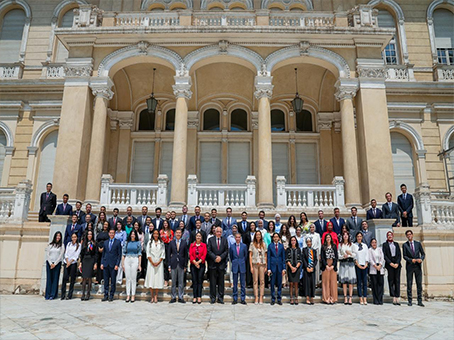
column 405, row 197
column 115, row 221
column 276, row 249
column 390, row 205
column 412, row 248
column 244, row 225
column 238, row 249
column 218, row 244
column 354, row 220
column 47, row 196
column 228, row 222
column 110, row 244
column 64, row 207
column 72, row 228
column 374, row 212
column 178, row 245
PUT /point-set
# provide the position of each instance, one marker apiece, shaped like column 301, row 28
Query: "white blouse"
column 55, row 254
column 376, row 256
column 343, row 248
column 360, row 256
column 72, row 252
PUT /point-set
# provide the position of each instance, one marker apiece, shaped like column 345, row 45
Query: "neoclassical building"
column 281, row 105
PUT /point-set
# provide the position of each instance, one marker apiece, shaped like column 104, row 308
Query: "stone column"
column 374, row 139
column 263, row 93
column 74, row 132
column 102, row 93
column 126, row 123
column 326, row 147
column 182, row 92
column 346, row 90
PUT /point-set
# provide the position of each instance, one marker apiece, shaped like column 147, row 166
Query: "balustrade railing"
column 15, row 202
column 302, row 19
column 55, row 71
column 442, row 211
column 11, row 71
column 232, row 19
column 295, row 196
column 7, row 198
column 122, row 195
column 400, row 73
column 140, row 19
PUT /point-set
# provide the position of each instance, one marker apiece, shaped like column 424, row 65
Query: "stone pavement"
column 31, row 317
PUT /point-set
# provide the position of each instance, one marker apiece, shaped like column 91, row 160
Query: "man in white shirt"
column 228, row 222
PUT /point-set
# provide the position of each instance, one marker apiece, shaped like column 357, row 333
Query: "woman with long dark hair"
column 102, row 236
column 155, row 268
column 361, row 256
column 102, row 218
column 131, row 262
column 304, row 223
column 88, row 262
column 72, row 253
column 294, row 262
column 309, row 263
column 291, row 225
column 55, row 253
column 347, row 275
column 328, row 266
column 197, row 257
column 166, row 235
column 376, row 271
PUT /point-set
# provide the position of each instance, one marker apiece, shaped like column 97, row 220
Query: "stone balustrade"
column 443, row 211
column 444, row 73
column 55, row 71
column 310, row 19
column 238, row 19
column 11, row 71
column 15, row 202
column 400, row 73
column 146, row 19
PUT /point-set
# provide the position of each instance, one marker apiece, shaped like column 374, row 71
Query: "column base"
column 265, row 206
column 176, row 205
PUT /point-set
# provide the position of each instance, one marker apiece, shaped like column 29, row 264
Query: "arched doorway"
column 46, row 164
column 403, row 162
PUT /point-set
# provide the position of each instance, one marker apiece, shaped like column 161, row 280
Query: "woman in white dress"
column 155, row 271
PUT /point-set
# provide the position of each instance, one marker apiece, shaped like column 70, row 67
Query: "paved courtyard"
column 31, row 317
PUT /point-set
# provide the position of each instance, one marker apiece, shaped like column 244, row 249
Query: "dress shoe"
column 420, row 304
column 104, row 299
column 279, row 303
column 62, row 297
column 221, row 301
column 272, row 303
column 410, row 303
column 173, row 301
column 212, row 301
column 234, row 302
column 181, row 301
column 397, row 303
column 110, row 299
column 68, row 298
column 243, row 302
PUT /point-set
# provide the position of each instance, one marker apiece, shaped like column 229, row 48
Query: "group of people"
column 299, row 255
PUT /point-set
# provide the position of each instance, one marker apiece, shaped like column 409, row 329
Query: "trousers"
column 259, row 274
column 242, row 283
column 197, row 280
column 131, row 266
column 177, row 275
column 69, row 273
column 52, row 281
column 109, row 274
column 414, row 269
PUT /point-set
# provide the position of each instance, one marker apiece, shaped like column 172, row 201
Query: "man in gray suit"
column 391, row 210
column 354, row 223
column 367, row 234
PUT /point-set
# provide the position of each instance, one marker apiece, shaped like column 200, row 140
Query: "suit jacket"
column 228, row 227
column 393, row 213
column 181, row 218
column 177, row 257
column 125, row 220
column 173, row 224
column 276, row 261
column 142, row 220
column 324, row 262
column 238, row 260
column 78, row 229
column 246, row 237
column 111, row 257
column 47, row 204
column 80, row 216
column 367, row 237
column 155, row 220
column 370, row 214
column 61, row 211
column 306, row 258
column 406, row 204
column 217, row 222
column 337, row 227
column 265, row 224
column 409, row 255
column 389, row 258
column 112, row 225
column 192, row 222
column 241, row 227
column 213, row 251
column 353, row 227
column 319, row 228
column 195, row 232
column 93, row 218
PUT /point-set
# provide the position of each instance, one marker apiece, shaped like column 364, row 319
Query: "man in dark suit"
column 111, row 259
column 243, row 225
column 157, row 220
column 393, row 257
column 71, row 228
column 64, row 208
column 194, row 218
column 247, row 240
column 337, row 221
column 354, row 223
column 142, row 219
column 217, row 253
column 114, row 219
column 391, row 210
column 320, row 224
column 80, row 214
column 276, row 267
column 129, row 213
column 413, row 255
column 238, row 254
column 185, row 217
column 374, row 212
column 178, row 258
column 368, row 235
column 406, row 203
column 173, row 221
column 198, row 230
column 214, row 220
column 262, row 217
column 84, row 225
column 47, row 203
column 88, row 212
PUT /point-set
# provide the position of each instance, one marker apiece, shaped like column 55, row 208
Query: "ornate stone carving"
column 143, row 47
column 304, row 47
column 345, row 92
column 182, row 87
column 263, row 87
column 78, row 71
column 105, row 93
column 255, row 120
column 87, row 16
column 363, row 16
column 223, row 46
column 371, row 72
column 324, row 125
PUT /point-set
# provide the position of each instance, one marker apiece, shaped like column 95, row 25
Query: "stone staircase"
column 143, row 293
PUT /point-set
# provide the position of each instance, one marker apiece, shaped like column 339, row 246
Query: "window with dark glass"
column 238, row 120
column 277, row 121
column 146, row 121
column 211, row 120
column 304, row 121
column 170, row 120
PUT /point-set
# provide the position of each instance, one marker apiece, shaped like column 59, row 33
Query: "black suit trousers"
column 43, row 217
column 69, row 273
column 407, row 222
column 377, row 283
column 416, row 270
column 394, row 281
column 217, row 281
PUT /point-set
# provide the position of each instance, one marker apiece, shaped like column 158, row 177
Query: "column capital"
column 346, row 89
column 101, row 87
column 78, row 71
column 125, row 120
column 182, row 87
column 263, row 87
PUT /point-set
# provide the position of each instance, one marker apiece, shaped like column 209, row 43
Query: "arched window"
column 277, row 121
column 216, row 9
column 65, row 21
column 146, row 120
column 296, row 9
column 404, row 170
column 211, row 120
column 237, row 8
column 304, row 121
column 444, row 36
column 238, row 120
column 2, row 152
column 170, row 120
column 11, row 36
column 390, row 53
column 450, row 163
column 275, row 9
column 47, row 154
